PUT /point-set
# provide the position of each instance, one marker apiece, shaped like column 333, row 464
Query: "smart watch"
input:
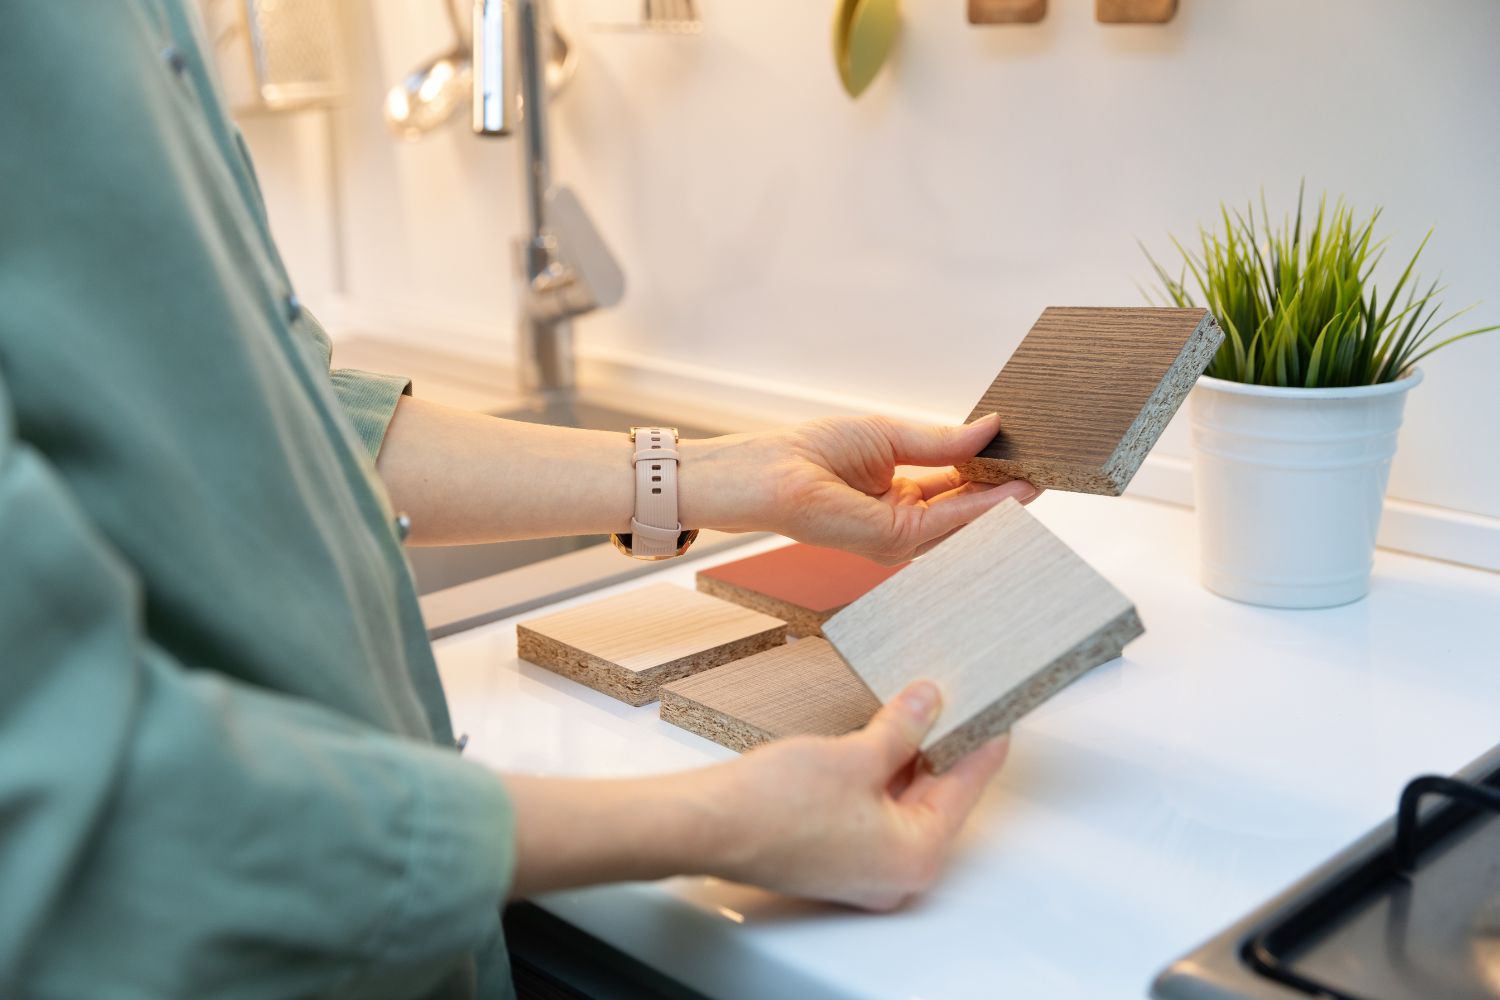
column 655, row 532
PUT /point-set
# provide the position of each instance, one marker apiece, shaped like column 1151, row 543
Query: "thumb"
column 898, row 728
column 934, row 446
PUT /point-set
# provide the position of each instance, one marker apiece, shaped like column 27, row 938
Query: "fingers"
column 951, row 512
column 898, row 728
column 932, row 446
column 951, row 797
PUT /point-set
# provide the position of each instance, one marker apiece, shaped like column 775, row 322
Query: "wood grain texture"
column 628, row 645
column 1001, row 617
column 1088, row 392
column 799, row 689
column 803, row 585
column 1134, row 11
column 1006, row 11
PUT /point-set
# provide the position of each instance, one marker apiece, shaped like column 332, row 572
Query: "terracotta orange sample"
column 803, row 585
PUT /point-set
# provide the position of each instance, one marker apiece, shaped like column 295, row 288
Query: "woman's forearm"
column 465, row 477
column 571, row 833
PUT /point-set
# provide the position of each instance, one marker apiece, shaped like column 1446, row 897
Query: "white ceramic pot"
column 1289, row 485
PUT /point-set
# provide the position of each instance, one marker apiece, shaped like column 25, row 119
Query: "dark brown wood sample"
column 1134, row 11
column 800, row 689
column 1088, row 392
column 1006, row 11
column 628, row 645
column 803, row 585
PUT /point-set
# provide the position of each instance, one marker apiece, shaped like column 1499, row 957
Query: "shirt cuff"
column 370, row 401
column 460, row 862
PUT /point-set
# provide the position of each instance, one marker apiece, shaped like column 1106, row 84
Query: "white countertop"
column 1145, row 808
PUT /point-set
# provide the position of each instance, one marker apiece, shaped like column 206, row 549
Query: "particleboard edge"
column 699, row 719
column 1101, row 647
column 1047, row 475
column 801, row 623
column 1173, row 388
column 635, row 687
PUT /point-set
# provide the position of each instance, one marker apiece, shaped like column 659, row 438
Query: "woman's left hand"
column 833, row 482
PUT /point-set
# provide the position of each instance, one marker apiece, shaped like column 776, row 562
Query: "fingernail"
column 988, row 416
column 921, row 699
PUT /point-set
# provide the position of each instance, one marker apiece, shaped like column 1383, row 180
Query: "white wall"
column 898, row 247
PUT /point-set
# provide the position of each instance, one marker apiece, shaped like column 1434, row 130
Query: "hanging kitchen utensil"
column 276, row 56
column 431, row 93
column 863, row 33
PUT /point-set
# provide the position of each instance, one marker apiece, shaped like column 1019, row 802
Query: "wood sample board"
column 1088, row 392
column 799, row 689
column 803, row 585
column 1001, row 616
column 628, row 645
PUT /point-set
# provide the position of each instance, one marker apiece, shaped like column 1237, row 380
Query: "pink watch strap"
column 655, row 527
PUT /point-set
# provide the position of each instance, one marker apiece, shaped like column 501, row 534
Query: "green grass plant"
column 1299, row 305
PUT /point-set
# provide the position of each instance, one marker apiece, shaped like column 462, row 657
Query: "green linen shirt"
column 226, row 765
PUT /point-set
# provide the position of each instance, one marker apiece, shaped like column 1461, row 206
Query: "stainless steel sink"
column 440, row 567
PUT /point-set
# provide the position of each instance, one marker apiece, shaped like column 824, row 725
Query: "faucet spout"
column 563, row 268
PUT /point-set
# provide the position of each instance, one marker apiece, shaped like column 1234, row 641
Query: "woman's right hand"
column 854, row 819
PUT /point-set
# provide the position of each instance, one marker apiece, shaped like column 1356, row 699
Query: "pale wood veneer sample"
column 1001, row 617
column 803, row 585
column 1006, row 11
column 628, row 645
column 800, row 689
column 1134, row 11
column 1088, row 392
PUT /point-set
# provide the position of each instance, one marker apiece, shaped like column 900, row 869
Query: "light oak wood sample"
column 803, row 585
column 628, row 645
column 1134, row 11
column 1006, row 11
column 799, row 689
column 1088, row 392
column 1001, row 617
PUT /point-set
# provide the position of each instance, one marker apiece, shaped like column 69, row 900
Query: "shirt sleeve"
column 191, row 835
column 368, row 398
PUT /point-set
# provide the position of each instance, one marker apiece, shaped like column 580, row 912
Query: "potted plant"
column 1294, row 423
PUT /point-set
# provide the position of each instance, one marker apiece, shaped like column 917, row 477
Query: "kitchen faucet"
column 563, row 268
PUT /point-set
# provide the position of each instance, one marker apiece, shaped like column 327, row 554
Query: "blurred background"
column 790, row 251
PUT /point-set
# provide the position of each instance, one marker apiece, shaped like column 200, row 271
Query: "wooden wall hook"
column 1006, row 11
column 1132, row 11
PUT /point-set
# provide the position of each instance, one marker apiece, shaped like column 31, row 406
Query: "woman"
column 226, row 765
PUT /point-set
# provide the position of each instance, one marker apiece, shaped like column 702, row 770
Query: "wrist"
column 722, row 484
